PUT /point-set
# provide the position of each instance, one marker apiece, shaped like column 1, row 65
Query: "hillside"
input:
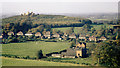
column 48, row 19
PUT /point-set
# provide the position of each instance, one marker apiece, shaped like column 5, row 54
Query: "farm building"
column 78, row 51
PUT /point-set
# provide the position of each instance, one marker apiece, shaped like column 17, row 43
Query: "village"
column 49, row 35
column 60, row 34
column 79, row 50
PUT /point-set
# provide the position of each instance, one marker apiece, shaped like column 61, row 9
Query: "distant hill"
column 97, row 16
column 37, row 19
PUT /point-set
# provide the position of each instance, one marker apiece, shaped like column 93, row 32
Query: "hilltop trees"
column 51, row 20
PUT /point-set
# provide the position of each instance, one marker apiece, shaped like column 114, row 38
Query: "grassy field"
column 83, row 61
column 31, row 48
column 78, row 30
column 22, row 62
column 97, row 27
column 64, row 29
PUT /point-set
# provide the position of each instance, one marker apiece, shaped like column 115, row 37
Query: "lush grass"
column 97, row 27
column 31, row 48
column 83, row 61
column 22, row 62
column 64, row 29
column 78, row 30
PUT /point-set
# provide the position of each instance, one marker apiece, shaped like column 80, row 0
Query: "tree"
column 40, row 54
column 109, row 53
column 72, row 44
column 93, row 30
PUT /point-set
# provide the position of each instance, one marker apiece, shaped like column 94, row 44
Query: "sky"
column 59, row 6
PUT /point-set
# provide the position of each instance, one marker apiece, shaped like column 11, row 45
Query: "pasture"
column 31, row 48
column 23, row 62
column 78, row 30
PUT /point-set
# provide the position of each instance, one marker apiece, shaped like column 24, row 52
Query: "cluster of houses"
column 49, row 35
column 77, row 51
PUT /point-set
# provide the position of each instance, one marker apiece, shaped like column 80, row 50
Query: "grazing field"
column 31, row 48
column 97, row 27
column 83, row 61
column 78, row 30
column 64, row 29
column 23, row 62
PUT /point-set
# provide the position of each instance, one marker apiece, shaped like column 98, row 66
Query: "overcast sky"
column 59, row 6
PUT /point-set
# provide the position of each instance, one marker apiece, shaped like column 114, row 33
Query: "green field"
column 22, row 62
column 78, row 30
column 65, row 29
column 31, row 48
column 97, row 27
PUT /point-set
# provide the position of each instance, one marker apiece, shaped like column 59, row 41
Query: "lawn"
column 23, row 62
column 31, row 48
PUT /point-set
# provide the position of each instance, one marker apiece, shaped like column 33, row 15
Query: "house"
column 65, row 34
column 38, row 34
column 20, row 33
column 79, row 45
column 78, row 51
column 64, row 37
column 92, row 38
column 11, row 33
column 56, row 35
column 82, row 37
column 103, row 38
column 47, row 34
column 28, row 34
column 1, row 37
column 70, row 53
column 72, row 36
